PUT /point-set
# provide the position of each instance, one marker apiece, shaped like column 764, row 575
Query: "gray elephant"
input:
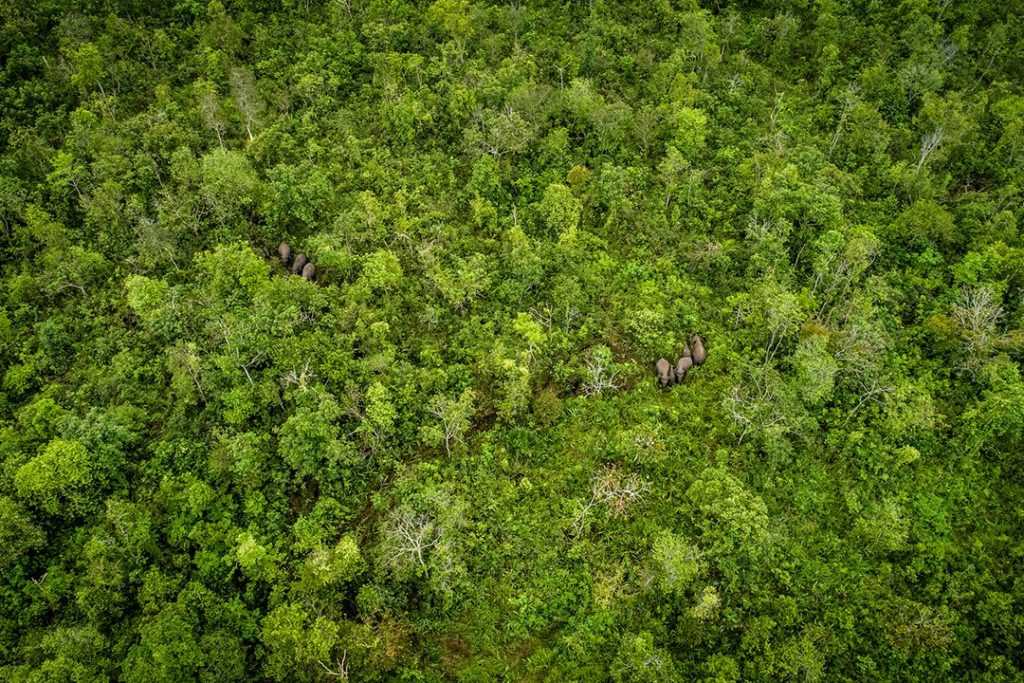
column 309, row 271
column 300, row 263
column 665, row 374
column 285, row 252
column 683, row 366
column 699, row 354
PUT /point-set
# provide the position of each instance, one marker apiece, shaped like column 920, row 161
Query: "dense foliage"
column 448, row 458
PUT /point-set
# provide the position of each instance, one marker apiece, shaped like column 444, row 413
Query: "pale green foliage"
column 330, row 255
column 676, row 562
column 148, row 298
column 230, row 185
column 884, row 527
column 454, row 416
column 60, row 478
column 463, row 283
column 560, row 209
column 998, row 418
column 530, row 331
column 802, row 658
column 454, row 17
column 839, row 261
column 639, row 660
column 44, row 228
column 911, row 626
column 296, row 641
column 424, row 539
column 721, row 668
column 5, row 328
column 910, row 412
column 382, row 271
column 772, row 312
column 379, row 417
column 233, row 273
column 513, row 388
column 89, row 71
column 70, row 654
column 707, row 604
column 331, row 566
column 310, row 437
column 732, row 519
column 690, row 130
column 815, row 369
column 167, row 649
column 649, row 330
column 380, row 413
column 257, row 560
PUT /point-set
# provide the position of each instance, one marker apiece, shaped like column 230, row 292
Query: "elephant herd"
column 669, row 375
column 301, row 265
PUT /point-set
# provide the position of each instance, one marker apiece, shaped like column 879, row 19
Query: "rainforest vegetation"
column 447, row 456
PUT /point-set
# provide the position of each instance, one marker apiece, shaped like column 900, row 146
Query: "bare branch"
column 340, row 669
column 929, row 143
column 613, row 489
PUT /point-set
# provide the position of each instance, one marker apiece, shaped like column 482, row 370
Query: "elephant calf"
column 698, row 350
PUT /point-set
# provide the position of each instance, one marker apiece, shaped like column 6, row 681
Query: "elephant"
column 309, row 271
column 300, row 263
column 665, row 374
column 285, row 252
column 699, row 354
column 682, row 367
column 686, row 352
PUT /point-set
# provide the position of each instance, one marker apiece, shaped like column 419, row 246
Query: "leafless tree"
column 234, row 345
column 645, row 440
column 247, row 98
column 774, row 116
column 860, row 341
column 185, row 356
column 454, row 415
column 613, row 489
column 948, row 51
column 410, row 537
column 300, row 377
column 212, row 113
column 515, row 15
column 977, row 313
column 547, row 313
column 929, row 143
column 502, row 132
column 836, row 274
column 849, row 101
column 754, row 405
column 773, row 309
column 543, row 317
column 599, row 374
column 180, row 209
column 646, row 123
column 759, row 228
column 340, row 669
column 345, row 5
column 873, row 388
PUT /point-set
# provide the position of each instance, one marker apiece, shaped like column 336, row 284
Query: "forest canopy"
column 443, row 453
